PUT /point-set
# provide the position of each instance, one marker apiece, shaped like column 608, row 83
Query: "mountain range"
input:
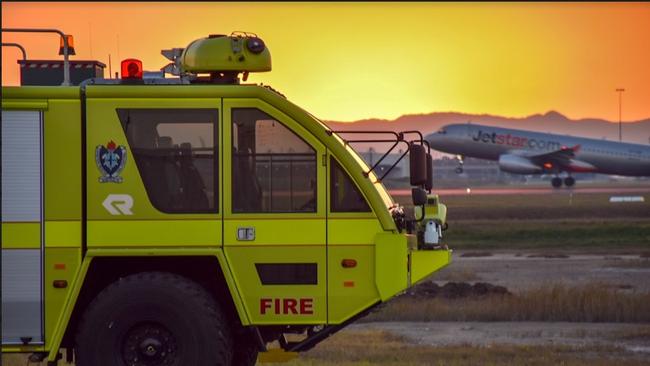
column 551, row 122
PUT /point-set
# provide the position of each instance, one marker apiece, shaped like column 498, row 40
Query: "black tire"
column 157, row 318
column 459, row 170
column 556, row 182
column 245, row 352
column 569, row 181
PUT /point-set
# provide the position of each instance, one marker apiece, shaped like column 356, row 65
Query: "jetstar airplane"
column 527, row 152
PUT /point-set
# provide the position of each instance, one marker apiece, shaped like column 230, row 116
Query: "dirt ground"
column 518, row 271
column 523, row 270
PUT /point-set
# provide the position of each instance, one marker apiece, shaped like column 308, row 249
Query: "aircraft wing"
column 563, row 158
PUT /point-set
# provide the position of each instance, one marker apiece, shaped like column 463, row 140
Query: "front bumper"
column 400, row 265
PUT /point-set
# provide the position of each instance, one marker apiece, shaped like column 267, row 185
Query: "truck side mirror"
column 429, row 183
column 419, row 196
column 418, row 164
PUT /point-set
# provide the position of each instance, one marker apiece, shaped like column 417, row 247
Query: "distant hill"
column 550, row 122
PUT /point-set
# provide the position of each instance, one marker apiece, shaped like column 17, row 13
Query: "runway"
column 527, row 191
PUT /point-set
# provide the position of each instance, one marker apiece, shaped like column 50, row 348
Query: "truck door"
column 352, row 227
column 22, row 229
column 274, row 214
column 153, row 172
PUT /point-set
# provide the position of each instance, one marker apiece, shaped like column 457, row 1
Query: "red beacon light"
column 131, row 69
column 70, row 45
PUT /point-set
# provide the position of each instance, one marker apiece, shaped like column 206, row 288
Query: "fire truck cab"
column 195, row 219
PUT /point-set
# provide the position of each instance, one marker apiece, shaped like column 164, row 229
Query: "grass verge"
column 589, row 303
column 527, row 234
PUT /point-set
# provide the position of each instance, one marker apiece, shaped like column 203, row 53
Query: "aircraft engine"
column 517, row 164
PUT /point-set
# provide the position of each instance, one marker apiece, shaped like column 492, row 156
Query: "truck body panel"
column 302, row 231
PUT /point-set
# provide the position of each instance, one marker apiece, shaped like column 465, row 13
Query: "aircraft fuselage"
column 599, row 156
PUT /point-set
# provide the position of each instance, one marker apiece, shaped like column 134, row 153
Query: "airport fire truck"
column 194, row 219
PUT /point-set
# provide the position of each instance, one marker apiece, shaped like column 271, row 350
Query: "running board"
column 312, row 340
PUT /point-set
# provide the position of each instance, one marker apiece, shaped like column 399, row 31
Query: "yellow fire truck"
column 194, row 219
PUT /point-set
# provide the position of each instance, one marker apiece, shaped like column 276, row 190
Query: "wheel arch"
column 206, row 270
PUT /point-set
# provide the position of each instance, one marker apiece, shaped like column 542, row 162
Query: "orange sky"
column 347, row 61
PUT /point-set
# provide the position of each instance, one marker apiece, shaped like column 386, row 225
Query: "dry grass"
column 590, row 303
column 21, row 360
column 639, row 334
column 365, row 348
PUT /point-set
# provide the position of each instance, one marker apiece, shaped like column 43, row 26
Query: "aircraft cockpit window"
column 442, row 131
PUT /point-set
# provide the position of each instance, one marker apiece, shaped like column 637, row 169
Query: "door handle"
column 245, row 233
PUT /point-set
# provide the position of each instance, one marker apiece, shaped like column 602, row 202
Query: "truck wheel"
column 153, row 318
column 245, row 353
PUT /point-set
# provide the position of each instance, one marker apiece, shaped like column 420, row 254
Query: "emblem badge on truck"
column 110, row 160
column 118, row 204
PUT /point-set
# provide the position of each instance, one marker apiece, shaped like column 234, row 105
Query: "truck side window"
column 273, row 169
column 345, row 196
column 175, row 151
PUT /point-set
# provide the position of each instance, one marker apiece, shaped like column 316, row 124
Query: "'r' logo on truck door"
column 118, row 204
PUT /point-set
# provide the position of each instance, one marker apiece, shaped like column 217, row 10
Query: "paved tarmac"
column 526, row 190
column 524, row 270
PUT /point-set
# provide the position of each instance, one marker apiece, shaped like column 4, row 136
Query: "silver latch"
column 173, row 55
column 245, row 233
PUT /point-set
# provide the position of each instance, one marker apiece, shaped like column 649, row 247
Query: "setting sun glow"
column 349, row 61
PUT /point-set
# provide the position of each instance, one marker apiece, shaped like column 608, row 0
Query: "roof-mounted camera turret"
column 219, row 59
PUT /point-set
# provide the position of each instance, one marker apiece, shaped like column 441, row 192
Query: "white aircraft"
column 527, row 152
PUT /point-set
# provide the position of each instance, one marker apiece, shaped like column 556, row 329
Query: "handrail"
column 395, row 143
column 66, row 62
column 21, row 48
column 399, row 138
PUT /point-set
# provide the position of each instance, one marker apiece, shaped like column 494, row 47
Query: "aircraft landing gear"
column 556, row 182
column 459, row 169
column 569, row 181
